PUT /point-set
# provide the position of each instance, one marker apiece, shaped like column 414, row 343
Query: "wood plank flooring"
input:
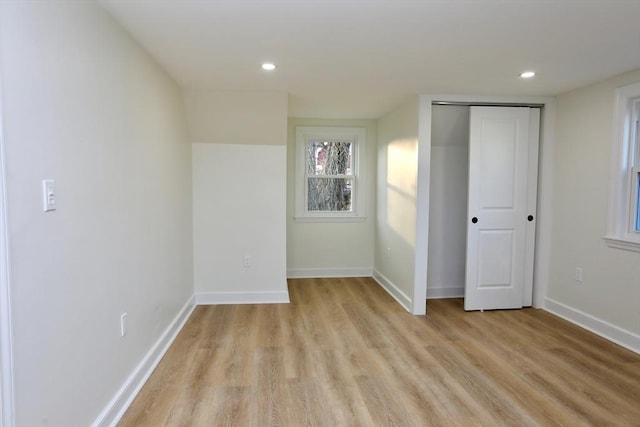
column 344, row 353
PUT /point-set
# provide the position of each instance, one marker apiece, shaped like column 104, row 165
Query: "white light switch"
column 124, row 327
column 49, row 194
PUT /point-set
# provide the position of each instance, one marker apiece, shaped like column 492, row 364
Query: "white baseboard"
column 218, row 298
column 444, row 292
column 393, row 290
column 129, row 390
column 312, row 273
column 600, row 327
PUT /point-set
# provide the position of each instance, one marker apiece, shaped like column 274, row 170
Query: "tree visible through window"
column 329, row 176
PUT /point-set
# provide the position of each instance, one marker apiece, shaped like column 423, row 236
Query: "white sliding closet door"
column 503, row 146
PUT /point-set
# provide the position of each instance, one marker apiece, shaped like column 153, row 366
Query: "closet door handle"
column 530, row 218
column 474, row 220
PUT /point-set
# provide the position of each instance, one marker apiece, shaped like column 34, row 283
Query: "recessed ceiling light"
column 527, row 74
column 268, row 66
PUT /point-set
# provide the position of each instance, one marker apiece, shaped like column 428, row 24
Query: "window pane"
column 329, row 194
column 329, row 158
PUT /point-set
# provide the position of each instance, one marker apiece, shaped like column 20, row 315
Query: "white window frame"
column 625, row 167
column 357, row 137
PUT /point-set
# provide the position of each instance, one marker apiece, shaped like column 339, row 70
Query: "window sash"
column 634, row 214
column 306, row 170
column 328, row 201
column 634, row 167
column 333, row 147
column 622, row 226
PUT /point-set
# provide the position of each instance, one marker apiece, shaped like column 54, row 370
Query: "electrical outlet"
column 247, row 261
column 579, row 274
column 124, row 328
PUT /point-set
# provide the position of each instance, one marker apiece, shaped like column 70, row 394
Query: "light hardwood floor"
column 345, row 353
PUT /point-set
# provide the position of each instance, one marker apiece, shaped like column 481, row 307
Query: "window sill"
column 330, row 218
column 621, row 243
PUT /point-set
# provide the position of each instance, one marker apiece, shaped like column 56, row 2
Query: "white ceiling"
column 361, row 58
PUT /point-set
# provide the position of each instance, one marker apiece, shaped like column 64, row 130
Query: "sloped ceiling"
column 361, row 58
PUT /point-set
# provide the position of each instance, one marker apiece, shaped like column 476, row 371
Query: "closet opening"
column 459, row 244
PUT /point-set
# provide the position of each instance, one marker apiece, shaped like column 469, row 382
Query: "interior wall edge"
column 314, row 273
column 115, row 409
column 257, row 297
column 445, row 292
column 393, row 290
column 423, row 184
column 6, row 338
column 602, row 328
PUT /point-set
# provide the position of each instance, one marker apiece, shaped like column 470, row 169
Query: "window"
column 328, row 175
column 623, row 229
column 634, row 214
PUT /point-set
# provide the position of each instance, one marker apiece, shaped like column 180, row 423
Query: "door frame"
column 545, row 189
column 6, row 346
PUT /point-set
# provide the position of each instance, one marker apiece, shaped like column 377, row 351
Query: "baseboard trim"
column 606, row 330
column 393, row 290
column 441, row 293
column 264, row 297
column 116, row 408
column 311, row 273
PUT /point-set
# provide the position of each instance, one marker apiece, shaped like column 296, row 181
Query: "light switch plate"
column 124, row 327
column 49, row 194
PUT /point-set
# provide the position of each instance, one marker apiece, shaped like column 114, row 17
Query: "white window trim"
column 357, row 136
column 620, row 230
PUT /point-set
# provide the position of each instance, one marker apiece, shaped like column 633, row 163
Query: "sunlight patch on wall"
column 402, row 169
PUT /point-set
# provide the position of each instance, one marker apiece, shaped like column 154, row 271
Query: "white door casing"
column 6, row 354
column 500, row 236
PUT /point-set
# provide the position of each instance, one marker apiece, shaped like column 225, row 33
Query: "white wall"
column 395, row 242
column 610, row 291
column 449, row 175
column 239, row 210
column 84, row 105
column 236, row 117
column 239, row 195
column 332, row 249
